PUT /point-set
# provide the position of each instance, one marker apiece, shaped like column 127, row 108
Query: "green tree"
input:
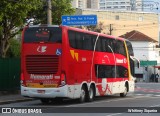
column 12, row 16
column 98, row 28
column 59, row 8
column 14, row 49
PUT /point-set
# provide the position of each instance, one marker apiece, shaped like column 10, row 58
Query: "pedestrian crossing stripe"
column 148, row 95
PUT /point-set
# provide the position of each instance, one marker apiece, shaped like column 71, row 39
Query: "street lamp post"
column 147, row 78
column 49, row 12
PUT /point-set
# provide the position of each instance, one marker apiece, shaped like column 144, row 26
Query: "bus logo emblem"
column 58, row 52
column 41, row 49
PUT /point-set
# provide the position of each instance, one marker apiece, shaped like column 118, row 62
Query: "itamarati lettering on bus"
column 41, row 77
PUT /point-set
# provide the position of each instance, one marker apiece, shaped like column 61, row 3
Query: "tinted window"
column 72, row 39
column 79, row 40
column 87, row 42
column 130, row 49
column 43, row 34
column 105, row 44
column 83, row 41
column 108, row 71
column 120, row 48
column 105, row 71
column 122, row 71
column 99, row 45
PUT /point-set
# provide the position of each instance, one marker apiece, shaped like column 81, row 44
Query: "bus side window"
column 87, row 42
column 110, row 45
column 99, row 45
column 107, row 44
column 104, row 45
column 79, row 40
column 130, row 49
column 72, row 38
column 105, row 71
column 123, row 72
column 93, row 37
column 120, row 48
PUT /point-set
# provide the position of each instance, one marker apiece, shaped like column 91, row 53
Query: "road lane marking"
column 105, row 101
column 155, row 105
column 114, row 114
column 157, row 95
column 139, row 94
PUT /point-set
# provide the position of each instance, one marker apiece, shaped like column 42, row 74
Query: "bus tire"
column 83, row 94
column 91, row 93
column 124, row 94
column 45, row 100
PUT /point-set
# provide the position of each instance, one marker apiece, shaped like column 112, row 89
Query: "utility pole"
column 49, row 12
column 110, row 29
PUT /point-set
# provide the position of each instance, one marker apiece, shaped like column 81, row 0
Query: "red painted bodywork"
column 76, row 71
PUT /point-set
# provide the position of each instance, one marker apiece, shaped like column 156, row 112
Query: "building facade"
column 147, row 51
column 121, row 5
column 79, row 4
column 119, row 23
column 115, row 4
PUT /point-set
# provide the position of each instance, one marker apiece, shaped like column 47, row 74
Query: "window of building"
column 140, row 18
column 109, row 7
column 115, row 3
column 102, row 4
column 122, row 7
column 122, row 3
column 102, row 0
column 128, row 8
column 117, row 17
column 115, row 7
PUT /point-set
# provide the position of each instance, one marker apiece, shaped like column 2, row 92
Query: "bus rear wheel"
column 124, row 94
column 91, row 94
column 83, row 95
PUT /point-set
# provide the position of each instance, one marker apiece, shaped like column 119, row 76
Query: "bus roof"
column 92, row 32
column 78, row 29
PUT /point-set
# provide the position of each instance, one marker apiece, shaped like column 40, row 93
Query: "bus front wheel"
column 91, row 94
column 124, row 94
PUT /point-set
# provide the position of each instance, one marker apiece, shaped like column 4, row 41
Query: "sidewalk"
column 12, row 97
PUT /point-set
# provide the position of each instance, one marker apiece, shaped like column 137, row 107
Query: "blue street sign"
column 79, row 20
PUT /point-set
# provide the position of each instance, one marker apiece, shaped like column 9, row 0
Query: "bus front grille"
column 39, row 64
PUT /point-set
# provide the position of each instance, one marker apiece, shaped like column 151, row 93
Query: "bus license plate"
column 40, row 91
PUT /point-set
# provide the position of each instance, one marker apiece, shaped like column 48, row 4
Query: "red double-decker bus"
column 64, row 62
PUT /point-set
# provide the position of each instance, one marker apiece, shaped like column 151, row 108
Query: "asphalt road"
column 146, row 98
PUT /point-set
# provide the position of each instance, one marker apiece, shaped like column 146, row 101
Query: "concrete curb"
column 16, row 101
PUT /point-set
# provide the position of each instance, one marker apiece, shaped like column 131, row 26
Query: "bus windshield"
column 43, row 34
